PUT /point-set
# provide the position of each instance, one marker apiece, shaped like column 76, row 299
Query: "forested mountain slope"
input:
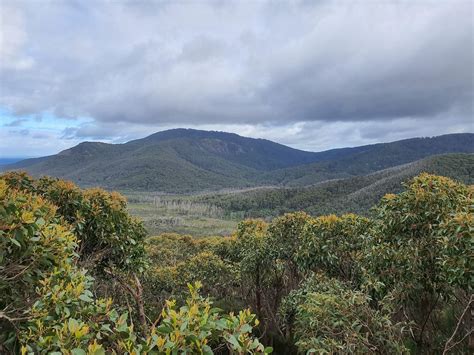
column 185, row 160
column 175, row 161
column 355, row 194
column 372, row 158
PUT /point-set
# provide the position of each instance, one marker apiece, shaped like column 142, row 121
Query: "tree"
column 110, row 240
column 46, row 300
column 415, row 254
column 250, row 243
column 334, row 245
column 326, row 316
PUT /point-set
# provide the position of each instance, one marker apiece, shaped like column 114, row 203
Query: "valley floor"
column 178, row 214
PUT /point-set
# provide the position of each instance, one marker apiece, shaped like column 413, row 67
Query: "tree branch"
column 447, row 346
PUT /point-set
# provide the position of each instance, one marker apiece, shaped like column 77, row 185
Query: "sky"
column 313, row 75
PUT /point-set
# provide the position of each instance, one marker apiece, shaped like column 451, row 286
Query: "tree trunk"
column 139, row 300
column 258, row 296
column 470, row 323
column 137, row 294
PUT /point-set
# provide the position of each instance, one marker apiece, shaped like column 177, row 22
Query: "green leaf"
column 40, row 222
column 85, row 298
column 78, row 351
column 16, row 242
column 233, row 341
column 99, row 351
column 246, row 328
column 164, row 329
column 73, row 325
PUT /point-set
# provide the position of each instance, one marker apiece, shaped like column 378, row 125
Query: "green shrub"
column 326, row 316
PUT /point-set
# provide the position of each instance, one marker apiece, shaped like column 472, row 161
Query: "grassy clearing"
column 178, row 214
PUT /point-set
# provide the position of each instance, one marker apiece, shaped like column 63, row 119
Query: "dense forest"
column 79, row 275
column 355, row 194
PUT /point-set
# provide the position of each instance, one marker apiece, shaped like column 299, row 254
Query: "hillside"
column 185, row 160
column 368, row 159
column 355, row 194
column 177, row 160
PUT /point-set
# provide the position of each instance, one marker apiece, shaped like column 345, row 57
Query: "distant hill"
column 356, row 194
column 8, row 161
column 371, row 158
column 186, row 160
column 179, row 160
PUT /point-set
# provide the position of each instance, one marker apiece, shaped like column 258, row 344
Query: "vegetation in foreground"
column 400, row 281
column 55, row 238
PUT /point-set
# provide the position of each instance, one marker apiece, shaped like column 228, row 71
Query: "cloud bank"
column 296, row 71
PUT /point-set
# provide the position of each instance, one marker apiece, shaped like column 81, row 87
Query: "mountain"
column 175, row 161
column 356, row 194
column 186, row 160
column 371, row 158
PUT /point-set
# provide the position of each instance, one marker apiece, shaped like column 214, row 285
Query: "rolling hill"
column 356, row 194
column 186, row 160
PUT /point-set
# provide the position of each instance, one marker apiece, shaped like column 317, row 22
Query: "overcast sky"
column 310, row 74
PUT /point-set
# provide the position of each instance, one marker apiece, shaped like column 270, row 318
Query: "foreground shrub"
column 47, row 300
column 196, row 328
column 326, row 316
column 109, row 237
column 418, row 255
column 334, row 245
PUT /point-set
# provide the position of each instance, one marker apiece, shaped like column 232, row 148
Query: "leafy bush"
column 108, row 235
column 418, row 253
column 456, row 241
column 196, row 326
column 333, row 245
column 47, row 301
column 329, row 284
column 408, row 265
column 326, row 316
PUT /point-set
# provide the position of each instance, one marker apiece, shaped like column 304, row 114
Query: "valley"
column 217, row 213
column 204, row 182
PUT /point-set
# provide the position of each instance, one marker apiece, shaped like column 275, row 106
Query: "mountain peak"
column 85, row 148
column 179, row 133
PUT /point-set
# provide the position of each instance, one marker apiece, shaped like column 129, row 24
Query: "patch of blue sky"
column 44, row 121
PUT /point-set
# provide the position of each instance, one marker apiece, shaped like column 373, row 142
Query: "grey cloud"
column 202, row 49
column 412, row 70
column 162, row 64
